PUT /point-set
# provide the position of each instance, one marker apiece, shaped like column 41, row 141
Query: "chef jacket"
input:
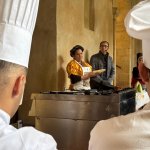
column 130, row 132
column 26, row 138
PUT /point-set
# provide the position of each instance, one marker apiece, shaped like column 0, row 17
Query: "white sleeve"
column 35, row 140
column 47, row 142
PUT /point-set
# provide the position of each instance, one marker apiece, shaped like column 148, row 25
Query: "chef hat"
column 17, row 22
column 137, row 23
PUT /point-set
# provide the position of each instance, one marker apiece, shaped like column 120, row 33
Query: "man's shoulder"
column 121, row 122
column 31, row 136
column 125, row 132
column 109, row 56
column 30, row 131
column 26, row 138
column 95, row 55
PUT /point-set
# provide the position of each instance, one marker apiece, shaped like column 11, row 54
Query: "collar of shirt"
column 106, row 55
column 4, row 116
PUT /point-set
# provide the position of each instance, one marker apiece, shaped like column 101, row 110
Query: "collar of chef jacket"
column 4, row 116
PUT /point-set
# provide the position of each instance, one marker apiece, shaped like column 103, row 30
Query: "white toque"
column 17, row 22
column 137, row 23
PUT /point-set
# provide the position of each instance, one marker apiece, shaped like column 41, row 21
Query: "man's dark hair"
column 104, row 42
column 74, row 49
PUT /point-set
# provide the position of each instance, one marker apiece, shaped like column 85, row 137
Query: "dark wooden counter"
column 70, row 118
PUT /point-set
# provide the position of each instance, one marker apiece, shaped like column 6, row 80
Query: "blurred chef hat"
column 17, row 22
column 137, row 23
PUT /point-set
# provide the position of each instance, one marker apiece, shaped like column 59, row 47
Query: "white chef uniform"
column 130, row 132
column 17, row 22
column 26, row 138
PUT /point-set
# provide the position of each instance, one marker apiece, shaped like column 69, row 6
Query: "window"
column 89, row 15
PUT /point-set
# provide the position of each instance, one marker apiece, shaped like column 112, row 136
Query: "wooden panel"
column 69, row 118
column 69, row 134
column 76, row 110
column 114, row 98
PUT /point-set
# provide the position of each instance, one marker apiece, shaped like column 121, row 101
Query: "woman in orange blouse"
column 78, row 70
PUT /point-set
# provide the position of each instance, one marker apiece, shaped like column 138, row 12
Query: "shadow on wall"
column 61, row 74
column 86, row 56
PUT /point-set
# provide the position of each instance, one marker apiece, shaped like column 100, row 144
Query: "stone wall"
column 61, row 24
column 43, row 62
column 126, row 47
column 73, row 28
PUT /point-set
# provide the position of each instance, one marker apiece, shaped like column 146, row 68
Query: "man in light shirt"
column 130, row 132
column 17, row 22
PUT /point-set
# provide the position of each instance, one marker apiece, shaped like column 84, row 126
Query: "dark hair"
column 104, row 42
column 74, row 49
column 139, row 55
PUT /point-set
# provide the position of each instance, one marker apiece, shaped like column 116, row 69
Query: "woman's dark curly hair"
column 74, row 49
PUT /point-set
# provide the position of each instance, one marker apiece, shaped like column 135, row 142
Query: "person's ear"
column 144, row 72
column 19, row 85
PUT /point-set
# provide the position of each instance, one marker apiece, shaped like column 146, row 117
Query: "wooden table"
column 69, row 118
